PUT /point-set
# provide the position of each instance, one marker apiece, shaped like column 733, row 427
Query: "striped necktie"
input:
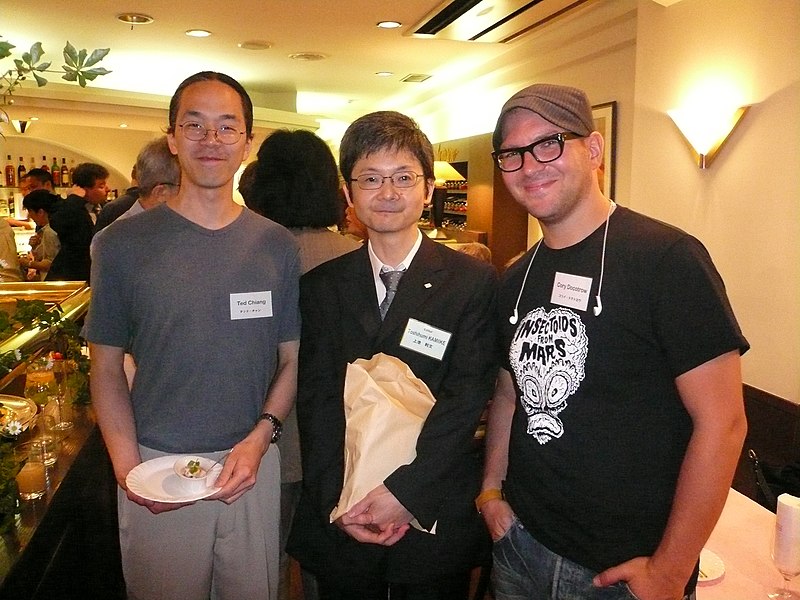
column 391, row 279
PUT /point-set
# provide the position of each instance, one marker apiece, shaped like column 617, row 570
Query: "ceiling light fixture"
column 198, row 33
column 308, row 56
column 389, row 24
column 123, row 125
column 135, row 19
column 255, row 45
column 384, row 73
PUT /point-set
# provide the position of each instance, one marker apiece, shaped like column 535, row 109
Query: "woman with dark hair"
column 295, row 183
column 44, row 243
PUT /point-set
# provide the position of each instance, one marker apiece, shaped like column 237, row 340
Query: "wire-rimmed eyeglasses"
column 197, row 132
column 401, row 179
column 544, row 151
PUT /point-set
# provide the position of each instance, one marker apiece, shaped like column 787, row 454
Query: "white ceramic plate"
column 24, row 410
column 711, row 568
column 156, row 480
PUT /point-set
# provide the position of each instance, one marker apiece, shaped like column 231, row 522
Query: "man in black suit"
column 371, row 551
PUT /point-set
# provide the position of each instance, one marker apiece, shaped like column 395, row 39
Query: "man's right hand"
column 153, row 506
column 498, row 516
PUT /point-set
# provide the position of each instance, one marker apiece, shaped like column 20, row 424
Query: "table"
column 742, row 539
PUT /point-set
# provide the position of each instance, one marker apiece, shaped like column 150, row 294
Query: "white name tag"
column 252, row 305
column 425, row 339
column 571, row 291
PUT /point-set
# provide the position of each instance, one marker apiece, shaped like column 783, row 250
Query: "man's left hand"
column 643, row 579
column 384, row 509
column 239, row 471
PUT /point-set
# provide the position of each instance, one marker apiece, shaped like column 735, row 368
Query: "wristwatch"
column 277, row 426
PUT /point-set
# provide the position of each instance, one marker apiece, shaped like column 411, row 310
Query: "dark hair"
column 40, row 199
column 295, row 182
column 384, row 130
column 40, row 175
column 247, row 180
column 247, row 104
column 86, row 174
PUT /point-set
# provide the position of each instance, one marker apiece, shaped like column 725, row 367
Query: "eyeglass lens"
column 402, row 179
column 197, row 132
column 544, row 151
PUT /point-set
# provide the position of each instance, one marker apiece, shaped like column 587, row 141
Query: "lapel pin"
column 428, row 285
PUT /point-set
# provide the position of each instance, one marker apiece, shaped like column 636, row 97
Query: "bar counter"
column 65, row 544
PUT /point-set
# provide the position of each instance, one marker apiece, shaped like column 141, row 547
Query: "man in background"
column 203, row 294
column 618, row 417
column 74, row 226
column 113, row 210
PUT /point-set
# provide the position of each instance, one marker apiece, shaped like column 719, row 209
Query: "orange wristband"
column 487, row 495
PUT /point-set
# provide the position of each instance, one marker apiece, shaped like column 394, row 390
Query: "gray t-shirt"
column 202, row 312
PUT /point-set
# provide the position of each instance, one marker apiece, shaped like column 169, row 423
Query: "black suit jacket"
column 341, row 323
column 72, row 223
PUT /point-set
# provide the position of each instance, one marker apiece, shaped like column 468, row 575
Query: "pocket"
column 513, row 526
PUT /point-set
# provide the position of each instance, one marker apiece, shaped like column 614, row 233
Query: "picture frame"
column 605, row 116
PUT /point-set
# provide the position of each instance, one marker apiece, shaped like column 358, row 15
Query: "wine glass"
column 40, row 381
column 785, row 554
column 60, row 372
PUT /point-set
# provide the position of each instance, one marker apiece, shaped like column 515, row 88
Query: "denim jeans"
column 525, row 570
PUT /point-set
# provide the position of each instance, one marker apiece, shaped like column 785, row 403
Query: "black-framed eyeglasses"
column 197, row 132
column 401, row 179
column 545, row 150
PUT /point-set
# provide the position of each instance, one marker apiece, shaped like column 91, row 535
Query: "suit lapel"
column 357, row 288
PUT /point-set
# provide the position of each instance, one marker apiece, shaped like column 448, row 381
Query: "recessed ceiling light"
column 415, row 78
column 384, row 73
column 33, row 118
column 389, row 24
column 135, row 18
column 308, row 56
column 123, row 125
column 201, row 33
column 255, row 45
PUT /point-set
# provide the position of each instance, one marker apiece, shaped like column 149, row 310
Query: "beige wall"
column 746, row 206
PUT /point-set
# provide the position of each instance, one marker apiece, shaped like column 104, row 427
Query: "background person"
column 44, row 243
column 294, row 182
column 113, row 210
column 618, row 418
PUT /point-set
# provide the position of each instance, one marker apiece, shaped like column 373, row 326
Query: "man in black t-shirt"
column 618, row 420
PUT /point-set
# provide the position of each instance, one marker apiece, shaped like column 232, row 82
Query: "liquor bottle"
column 55, row 171
column 71, row 169
column 21, row 170
column 45, row 167
column 33, row 164
column 66, row 180
column 4, row 208
column 11, row 209
column 11, row 179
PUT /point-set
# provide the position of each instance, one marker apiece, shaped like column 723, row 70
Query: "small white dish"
column 192, row 472
column 156, row 480
column 712, row 568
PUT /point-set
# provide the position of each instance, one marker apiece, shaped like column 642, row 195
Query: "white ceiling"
column 149, row 61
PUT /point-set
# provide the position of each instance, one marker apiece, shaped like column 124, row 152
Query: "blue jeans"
column 524, row 569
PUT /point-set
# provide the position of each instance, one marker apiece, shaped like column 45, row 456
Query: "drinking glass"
column 46, row 442
column 40, row 381
column 785, row 556
column 60, row 371
column 32, row 478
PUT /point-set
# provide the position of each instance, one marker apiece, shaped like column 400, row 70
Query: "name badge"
column 571, row 291
column 425, row 339
column 251, row 305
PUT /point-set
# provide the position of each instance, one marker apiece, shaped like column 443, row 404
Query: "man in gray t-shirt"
column 203, row 293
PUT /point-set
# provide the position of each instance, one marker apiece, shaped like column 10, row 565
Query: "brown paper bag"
column 385, row 406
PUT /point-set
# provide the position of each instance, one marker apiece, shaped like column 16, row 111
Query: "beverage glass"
column 32, row 478
column 40, row 381
column 786, row 544
column 45, row 444
column 60, row 370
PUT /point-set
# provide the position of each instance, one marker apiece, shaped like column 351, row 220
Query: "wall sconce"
column 706, row 129
column 19, row 126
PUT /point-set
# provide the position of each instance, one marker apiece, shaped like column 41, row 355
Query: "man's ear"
column 346, row 191
column 595, row 144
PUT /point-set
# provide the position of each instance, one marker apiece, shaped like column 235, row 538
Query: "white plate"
column 24, row 410
column 156, row 480
column 711, row 568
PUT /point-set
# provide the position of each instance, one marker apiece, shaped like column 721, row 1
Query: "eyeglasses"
column 401, row 179
column 545, row 150
column 197, row 133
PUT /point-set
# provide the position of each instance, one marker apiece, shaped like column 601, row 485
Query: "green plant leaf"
column 81, row 79
column 21, row 66
column 40, row 81
column 5, row 49
column 70, row 75
column 96, row 56
column 36, row 53
column 92, row 74
column 26, row 57
column 82, row 58
column 70, row 55
column 42, row 66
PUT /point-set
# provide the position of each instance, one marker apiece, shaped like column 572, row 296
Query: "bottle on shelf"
column 32, row 164
column 71, row 168
column 4, row 207
column 55, row 171
column 11, row 174
column 21, row 169
column 66, row 179
column 45, row 166
column 11, row 208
